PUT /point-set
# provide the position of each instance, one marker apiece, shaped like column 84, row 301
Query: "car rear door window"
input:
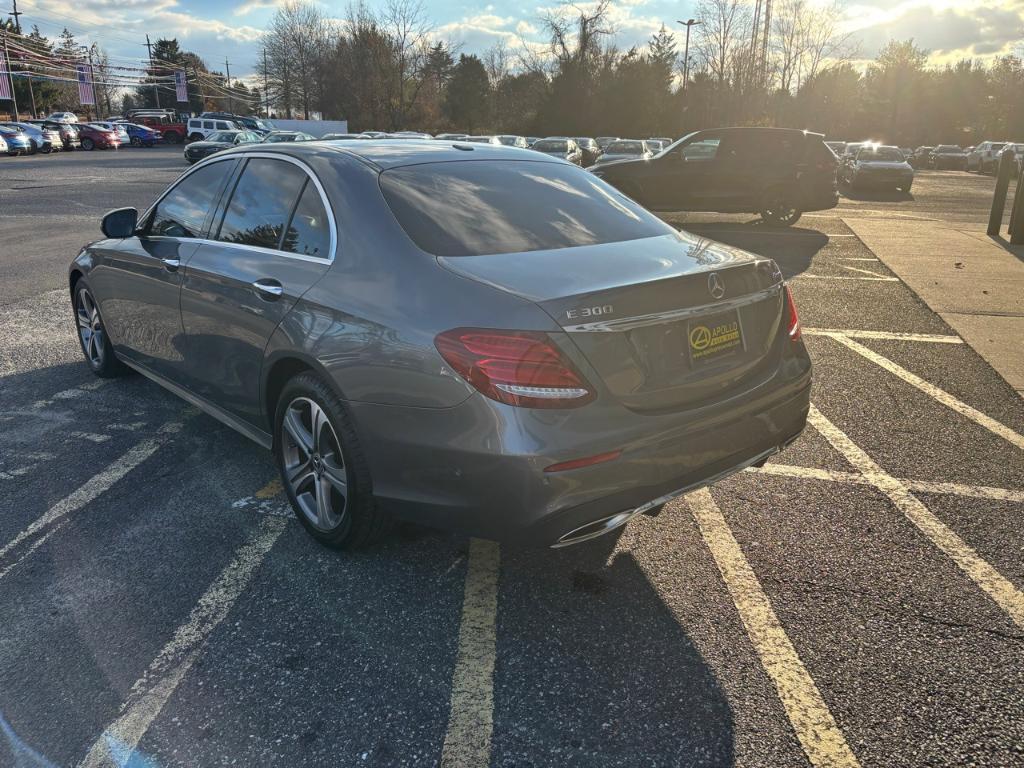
column 309, row 233
column 208, row 125
column 183, row 211
column 262, row 203
column 469, row 208
column 703, row 149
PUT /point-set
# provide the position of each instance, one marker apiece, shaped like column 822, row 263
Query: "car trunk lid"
column 664, row 321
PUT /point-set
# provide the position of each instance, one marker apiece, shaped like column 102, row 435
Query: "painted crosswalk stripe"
column 117, row 744
column 987, row 578
column 45, row 526
column 932, row 338
column 921, row 486
column 467, row 742
column 815, row 727
column 1012, row 437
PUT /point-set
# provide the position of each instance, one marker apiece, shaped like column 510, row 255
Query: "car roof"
column 383, row 154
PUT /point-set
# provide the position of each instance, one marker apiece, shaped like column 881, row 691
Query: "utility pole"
column 156, row 88
column 16, row 13
column 10, row 77
column 266, row 87
column 92, row 84
column 686, row 52
column 227, row 68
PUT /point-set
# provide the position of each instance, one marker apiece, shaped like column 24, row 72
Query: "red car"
column 93, row 136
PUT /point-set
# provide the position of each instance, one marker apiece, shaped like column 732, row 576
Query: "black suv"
column 777, row 172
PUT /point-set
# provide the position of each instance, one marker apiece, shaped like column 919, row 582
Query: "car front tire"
column 323, row 470
column 92, row 335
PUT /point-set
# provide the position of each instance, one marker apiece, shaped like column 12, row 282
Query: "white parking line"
column 92, row 488
column 467, row 742
column 987, row 578
column 117, row 745
column 858, row 269
column 72, row 393
column 921, row 486
column 820, row 736
column 856, row 258
column 934, row 338
column 846, row 277
column 1012, row 437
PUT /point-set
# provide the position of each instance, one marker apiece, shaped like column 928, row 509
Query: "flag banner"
column 180, row 85
column 85, row 95
column 5, row 81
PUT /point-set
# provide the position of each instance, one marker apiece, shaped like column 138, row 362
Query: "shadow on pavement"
column 593, row 669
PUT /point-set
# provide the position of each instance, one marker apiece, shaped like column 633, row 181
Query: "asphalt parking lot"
column 856, row 602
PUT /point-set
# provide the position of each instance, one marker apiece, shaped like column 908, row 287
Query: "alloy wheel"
column 90, row 328
column 314, row 466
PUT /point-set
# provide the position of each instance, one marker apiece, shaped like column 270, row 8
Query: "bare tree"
column 297, row 43
column 722, row 40
column 407, row 25
column 805, row 34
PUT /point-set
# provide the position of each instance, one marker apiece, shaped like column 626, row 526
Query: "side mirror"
column 120, row 223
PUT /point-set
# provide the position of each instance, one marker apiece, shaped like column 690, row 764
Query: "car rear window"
column 552, row 146
column 472, row 208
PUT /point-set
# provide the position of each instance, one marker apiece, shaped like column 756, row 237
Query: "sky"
column 219, row 29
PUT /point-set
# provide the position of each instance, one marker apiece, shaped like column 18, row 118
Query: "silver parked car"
column 475, row 337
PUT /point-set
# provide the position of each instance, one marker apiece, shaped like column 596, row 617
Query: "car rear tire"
column 323, row 470
column 779, row 207
column 136, row 141
column 88, row 144
column 92, row 335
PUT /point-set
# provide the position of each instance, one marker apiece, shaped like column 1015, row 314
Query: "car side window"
column 309, row 233
column 208, row 124
column 182, row 212
column 223, row 126
column 703, row 149
column 262, row 203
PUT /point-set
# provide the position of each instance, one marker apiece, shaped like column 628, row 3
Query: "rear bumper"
column 479, row 467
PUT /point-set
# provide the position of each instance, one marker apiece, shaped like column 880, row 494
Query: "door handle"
column 171, row 265
column 268, row 289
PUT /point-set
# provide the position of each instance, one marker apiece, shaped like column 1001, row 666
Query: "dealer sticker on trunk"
column 715, row 336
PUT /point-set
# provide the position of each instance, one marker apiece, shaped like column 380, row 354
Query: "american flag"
column 5, row 81
column 85, row 94
column 180, row 87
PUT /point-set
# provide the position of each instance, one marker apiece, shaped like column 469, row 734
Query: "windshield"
column 274, row 137
column 881, row 155
column 508, row 141
column 947, row 149
column 467, row 208
column 551, row 145
column 224, row 136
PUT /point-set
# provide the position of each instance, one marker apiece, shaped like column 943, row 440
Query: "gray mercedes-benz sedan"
column 474, row 337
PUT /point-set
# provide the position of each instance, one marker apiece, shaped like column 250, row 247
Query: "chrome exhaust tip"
column 594, row 529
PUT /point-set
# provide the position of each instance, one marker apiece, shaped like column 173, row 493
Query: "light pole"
column 686, row 53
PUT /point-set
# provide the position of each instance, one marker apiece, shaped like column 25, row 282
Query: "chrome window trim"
column 258, row 248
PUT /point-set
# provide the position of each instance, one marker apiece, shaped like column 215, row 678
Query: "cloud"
column 949, row 31
column 257, row 5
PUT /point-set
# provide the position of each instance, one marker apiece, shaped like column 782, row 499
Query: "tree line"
column 386, row 69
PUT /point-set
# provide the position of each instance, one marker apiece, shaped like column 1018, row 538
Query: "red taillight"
column 521, row 368
column 794, row 319
column 589, row 461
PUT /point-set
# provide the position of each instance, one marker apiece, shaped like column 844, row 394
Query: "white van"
column 201, row 127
